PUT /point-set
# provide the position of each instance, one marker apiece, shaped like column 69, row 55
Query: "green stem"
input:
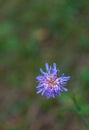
column 79, row 113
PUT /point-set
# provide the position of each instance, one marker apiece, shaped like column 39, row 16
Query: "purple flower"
column 50, row 84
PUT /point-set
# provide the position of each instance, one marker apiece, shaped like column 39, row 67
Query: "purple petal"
column 65, row 78
column 54, row 65
column 39, row 91
column 47, row 66
column 43, row 92
column 44, row 73
column 40, row 78
column 65, row 89
column 54, row 69
column 39, row 85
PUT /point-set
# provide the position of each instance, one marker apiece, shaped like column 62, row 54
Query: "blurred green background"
column 33, row 32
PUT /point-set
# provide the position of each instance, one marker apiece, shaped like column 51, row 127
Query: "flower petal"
column 44, row 73
column 39, row 91
column 47, row 66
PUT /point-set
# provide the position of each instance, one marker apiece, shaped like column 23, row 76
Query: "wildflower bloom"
column 50, row 84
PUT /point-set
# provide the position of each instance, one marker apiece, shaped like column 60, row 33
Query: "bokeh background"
column 33, row 32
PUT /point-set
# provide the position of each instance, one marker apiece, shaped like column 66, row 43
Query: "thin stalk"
column 79, row 113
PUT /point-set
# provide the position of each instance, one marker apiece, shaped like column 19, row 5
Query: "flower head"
column 50, row 84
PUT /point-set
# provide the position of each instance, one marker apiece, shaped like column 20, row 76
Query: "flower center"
column 52, row 82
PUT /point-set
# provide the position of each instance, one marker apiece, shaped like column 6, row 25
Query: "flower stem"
column 78, row 108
